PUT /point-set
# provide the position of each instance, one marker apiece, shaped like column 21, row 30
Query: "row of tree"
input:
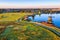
column 29, row 10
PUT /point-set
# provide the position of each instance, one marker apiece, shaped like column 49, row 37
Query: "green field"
column 23, row 30
column 11, row 16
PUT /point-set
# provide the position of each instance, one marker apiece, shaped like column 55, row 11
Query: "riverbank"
column 47, row 25
column 53, row 28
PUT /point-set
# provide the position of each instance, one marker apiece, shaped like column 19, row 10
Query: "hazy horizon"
column 29, row 3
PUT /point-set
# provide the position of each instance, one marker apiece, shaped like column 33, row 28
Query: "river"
column 44, row 17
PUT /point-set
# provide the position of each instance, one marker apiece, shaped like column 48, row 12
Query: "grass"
column 23, row 30
column 27, row 31
column 11, row 16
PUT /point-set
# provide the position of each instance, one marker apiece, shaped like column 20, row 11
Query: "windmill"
column 50, row 20
column 50, row 17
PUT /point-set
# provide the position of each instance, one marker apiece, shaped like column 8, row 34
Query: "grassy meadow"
column 11, row 16
column 23, row 30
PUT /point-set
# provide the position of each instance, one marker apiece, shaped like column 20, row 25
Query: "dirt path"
column 46, row 25
column 49, row 28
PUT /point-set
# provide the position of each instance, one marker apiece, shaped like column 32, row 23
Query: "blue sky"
column 29, row 2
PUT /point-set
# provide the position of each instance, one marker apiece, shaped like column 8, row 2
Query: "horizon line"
column 1, row 7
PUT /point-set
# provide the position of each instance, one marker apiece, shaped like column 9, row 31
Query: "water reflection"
column 44, row 17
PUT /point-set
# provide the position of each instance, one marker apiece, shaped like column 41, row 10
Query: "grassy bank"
column 27, row 31
column 22, row 30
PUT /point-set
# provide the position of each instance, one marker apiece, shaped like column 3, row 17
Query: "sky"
column 29, row 3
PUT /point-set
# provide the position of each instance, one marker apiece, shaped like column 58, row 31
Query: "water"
column 44, row 17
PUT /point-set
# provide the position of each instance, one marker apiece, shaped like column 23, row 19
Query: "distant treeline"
column 46, row 11
column 9, row 10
